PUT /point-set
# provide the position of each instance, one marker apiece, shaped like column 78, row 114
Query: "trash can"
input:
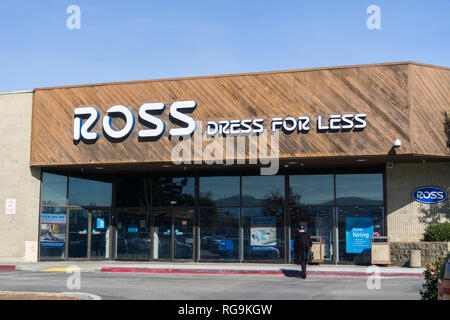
column 415, row 260
column 380, row 250
column 317, row 249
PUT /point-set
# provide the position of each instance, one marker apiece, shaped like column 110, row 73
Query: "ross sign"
column 358, row 231
column 429, row 195
column 154, row 127
column 10, row 206
column 91, row 115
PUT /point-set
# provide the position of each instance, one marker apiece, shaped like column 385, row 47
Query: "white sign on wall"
column 10, row 206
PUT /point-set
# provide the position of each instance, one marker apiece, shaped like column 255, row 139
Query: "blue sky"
column 146, row 39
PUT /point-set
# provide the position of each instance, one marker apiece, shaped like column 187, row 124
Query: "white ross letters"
column 177, row 115
column 158, row 123
column 129, row 122
column 81, row 131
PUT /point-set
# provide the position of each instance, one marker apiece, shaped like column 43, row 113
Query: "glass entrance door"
column 89, row 235
column 183, row 224
column 99, row 233
column 78, row 234
column 173, row 234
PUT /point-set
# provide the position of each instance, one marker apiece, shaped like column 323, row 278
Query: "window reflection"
column 87, row 192
column 133, row 234
column 54, row 189
column 311, row 189
column 174, row 191
column 219, row 191
column 318, row 221
column 133, row 191
column 263, row 191
column 219, row 233
column 263, row 233
column 359, row 189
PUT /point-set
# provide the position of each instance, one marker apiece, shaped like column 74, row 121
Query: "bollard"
column 415, row 259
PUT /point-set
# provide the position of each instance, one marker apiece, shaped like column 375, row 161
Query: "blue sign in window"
column 226, row 245
column 358, row 231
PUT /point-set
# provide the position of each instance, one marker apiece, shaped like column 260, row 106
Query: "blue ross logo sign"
column 429, row 195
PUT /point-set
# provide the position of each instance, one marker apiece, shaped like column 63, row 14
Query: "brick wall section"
column 19, row 232
column 430, row 251
column 407, row 218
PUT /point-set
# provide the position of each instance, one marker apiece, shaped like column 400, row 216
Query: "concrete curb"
column 81, row 295
column 280, row 272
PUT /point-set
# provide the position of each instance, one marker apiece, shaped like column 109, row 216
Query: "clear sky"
column 147, row 39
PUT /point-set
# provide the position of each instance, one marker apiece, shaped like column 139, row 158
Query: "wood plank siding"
column 401, row 100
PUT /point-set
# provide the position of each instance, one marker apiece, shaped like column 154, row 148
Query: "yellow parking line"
column 63, row 269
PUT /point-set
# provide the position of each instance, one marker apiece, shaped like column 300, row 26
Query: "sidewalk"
column 211, row 268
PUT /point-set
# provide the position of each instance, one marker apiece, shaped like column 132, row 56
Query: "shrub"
column 439, row 232
column 431, row 279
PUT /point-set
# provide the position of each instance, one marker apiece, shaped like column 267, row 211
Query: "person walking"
column 302, row 247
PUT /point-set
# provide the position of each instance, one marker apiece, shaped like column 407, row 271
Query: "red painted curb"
column 7, row 267
column 249, row 272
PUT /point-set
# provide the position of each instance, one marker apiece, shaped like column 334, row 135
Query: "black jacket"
column 302, row 246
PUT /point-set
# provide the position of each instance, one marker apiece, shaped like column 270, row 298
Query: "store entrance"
column 88, row 234
column 173, row 234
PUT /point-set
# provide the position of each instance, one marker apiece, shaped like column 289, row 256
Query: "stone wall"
column 430, row 251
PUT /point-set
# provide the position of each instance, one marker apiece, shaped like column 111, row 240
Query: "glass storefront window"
column 359, row 189
column 356, row 226
column 54, row 189
column 133, row 191
column 100, row 234
column 225, row 230
column 52, row 239
column 162, row 235
column 317, row 189
column 318, row 221
column 263, row 233
column 219, row 191
column 133, row 234
column 183, row 226
column 88, row 192
column 219, row 233
column 178, row 191
column 263, row 191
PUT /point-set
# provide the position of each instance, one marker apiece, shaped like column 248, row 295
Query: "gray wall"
column 407, row 218
column 19, row 232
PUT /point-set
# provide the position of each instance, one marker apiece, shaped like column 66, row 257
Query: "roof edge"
column 15, row 92
column 243, row 74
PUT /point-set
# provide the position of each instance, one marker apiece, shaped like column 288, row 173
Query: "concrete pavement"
column 211, row 268
column 239, row 287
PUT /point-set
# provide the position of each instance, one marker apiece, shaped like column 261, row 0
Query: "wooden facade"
column 405, row 101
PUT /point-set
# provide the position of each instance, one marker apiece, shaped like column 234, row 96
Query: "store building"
column 101, row 171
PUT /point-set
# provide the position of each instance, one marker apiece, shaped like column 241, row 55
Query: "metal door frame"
column 89, row 232
column 171, row 210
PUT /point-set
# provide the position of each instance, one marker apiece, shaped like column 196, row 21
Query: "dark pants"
column 303, row 272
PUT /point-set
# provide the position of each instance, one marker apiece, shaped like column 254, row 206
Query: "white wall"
column 19, row 232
